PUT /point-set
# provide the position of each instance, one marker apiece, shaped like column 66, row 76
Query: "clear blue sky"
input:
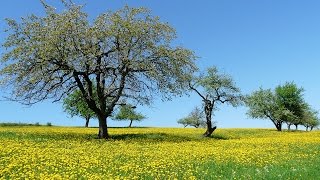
column 259, row 43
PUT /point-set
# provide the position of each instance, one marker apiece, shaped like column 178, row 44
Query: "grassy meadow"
column 157, row 153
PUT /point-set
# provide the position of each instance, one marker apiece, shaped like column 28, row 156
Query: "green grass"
column 294, row 169
column 146, row 153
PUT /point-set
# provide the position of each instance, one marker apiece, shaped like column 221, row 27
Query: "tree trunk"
column 130, row 123
column 311, row 128
column 279, row 126
column 289, row 125
column 208, row 111
column 87, row 122
column 296, row 127
column 209, row 131
column 103, row 128
column 307, row 128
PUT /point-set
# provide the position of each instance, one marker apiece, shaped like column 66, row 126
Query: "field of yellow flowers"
column 157, row 153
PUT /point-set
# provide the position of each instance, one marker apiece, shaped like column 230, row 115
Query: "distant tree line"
column 24, row 124
column 284, row 105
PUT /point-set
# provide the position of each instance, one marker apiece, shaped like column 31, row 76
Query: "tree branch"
column 192, row 88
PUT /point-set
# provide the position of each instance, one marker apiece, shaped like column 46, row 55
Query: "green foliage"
column 219, row 87
column 310, row 119
column 5, row 124
column 262, row 104
column 196, row 119
column 127, row 112
column 46, row 54
column 290, row 98
column 284, row 105
column 75, row 105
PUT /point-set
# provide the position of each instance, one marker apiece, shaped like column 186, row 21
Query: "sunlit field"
column 157, row 153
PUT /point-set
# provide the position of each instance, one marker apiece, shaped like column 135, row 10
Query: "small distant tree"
column 310, row 119
column 196, row 119
column 75, row 105
column 215, row 88
column 263, row 105
column 186, row 121
column 127, row 112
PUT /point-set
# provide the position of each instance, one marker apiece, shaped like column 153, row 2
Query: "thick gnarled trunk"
column 103, row 128
column 209, row 131
column 279, row 126
column 208, row 111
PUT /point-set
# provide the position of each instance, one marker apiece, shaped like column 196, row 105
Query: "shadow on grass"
column 156, row 137
column 120, row 127
column 160, row 137
column 219, row 137
column 141, row 137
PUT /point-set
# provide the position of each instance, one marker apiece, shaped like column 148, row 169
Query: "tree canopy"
column 127, row 53
column 263, row 105
column 127, row 112
column 283, row 105
column 310, row 119
column 290, row 98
